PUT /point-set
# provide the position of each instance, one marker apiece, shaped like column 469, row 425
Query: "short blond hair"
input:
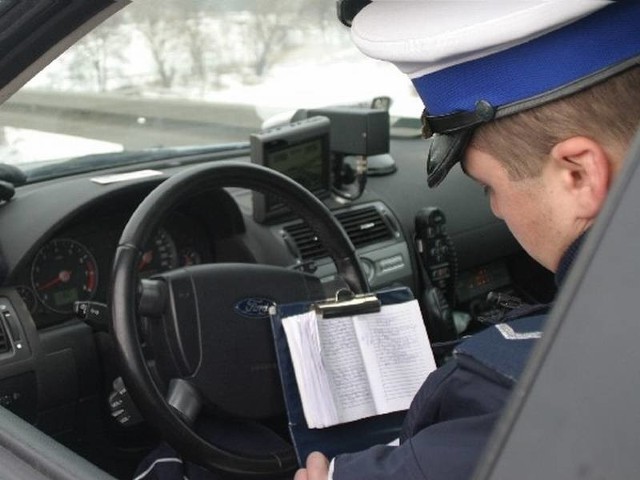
column 608, row 112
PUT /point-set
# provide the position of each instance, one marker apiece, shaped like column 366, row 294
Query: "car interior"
column 122, row 283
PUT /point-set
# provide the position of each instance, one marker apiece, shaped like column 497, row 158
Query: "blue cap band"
column 601, row 40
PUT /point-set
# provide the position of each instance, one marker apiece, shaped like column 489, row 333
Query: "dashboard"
column 65, row 252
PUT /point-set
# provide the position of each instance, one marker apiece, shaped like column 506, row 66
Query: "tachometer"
column 161, row 255
column 62, row 272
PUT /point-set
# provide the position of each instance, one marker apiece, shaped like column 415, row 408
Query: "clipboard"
column 346, row 437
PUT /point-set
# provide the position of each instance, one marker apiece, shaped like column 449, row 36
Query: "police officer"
column 538, row 101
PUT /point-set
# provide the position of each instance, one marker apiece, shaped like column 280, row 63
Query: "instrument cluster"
column 76, row 264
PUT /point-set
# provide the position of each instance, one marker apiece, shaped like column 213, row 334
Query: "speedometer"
column 64, row 271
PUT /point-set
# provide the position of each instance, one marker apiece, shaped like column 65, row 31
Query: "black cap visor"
column 450, row 134
column 445, row 150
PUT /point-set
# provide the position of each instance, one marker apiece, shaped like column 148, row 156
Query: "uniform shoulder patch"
column 502, row 349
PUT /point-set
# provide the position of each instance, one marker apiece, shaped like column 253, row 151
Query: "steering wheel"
column 208, row 325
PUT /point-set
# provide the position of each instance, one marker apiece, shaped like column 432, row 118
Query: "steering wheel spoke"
column 152, row 298
column 184, row 397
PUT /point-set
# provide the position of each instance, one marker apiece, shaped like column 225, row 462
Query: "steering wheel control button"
column 123, row 410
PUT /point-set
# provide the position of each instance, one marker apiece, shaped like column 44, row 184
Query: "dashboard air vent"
column 5, row 345
column 306, row 241
column 364, row 226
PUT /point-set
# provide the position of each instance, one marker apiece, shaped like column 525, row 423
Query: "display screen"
column 65, row 297
column 302, row 162
column 481, row 280
column 299, row 151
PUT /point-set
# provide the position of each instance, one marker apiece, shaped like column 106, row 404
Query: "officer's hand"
column 317, row 468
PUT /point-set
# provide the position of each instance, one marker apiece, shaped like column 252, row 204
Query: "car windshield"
column 162, row 75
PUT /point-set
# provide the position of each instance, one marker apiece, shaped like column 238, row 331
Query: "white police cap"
column 423, row 36
column 473, row 61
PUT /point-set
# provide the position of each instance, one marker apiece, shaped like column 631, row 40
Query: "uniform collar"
column 568, row 258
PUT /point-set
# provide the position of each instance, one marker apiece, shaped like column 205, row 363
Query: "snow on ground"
column 23, row 145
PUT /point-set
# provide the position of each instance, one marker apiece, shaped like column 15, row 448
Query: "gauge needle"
column 63, row 277
column 146, row 259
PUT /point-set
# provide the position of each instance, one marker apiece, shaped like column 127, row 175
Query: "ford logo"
column 254, row 307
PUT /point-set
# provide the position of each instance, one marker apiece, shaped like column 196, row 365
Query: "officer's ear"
column 584, row 171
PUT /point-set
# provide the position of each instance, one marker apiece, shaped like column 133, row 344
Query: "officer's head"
column 537, row 100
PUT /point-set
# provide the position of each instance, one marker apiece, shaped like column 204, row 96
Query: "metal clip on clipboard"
column 347, row 303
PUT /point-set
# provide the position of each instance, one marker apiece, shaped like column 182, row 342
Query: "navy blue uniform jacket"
column 453, row 414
